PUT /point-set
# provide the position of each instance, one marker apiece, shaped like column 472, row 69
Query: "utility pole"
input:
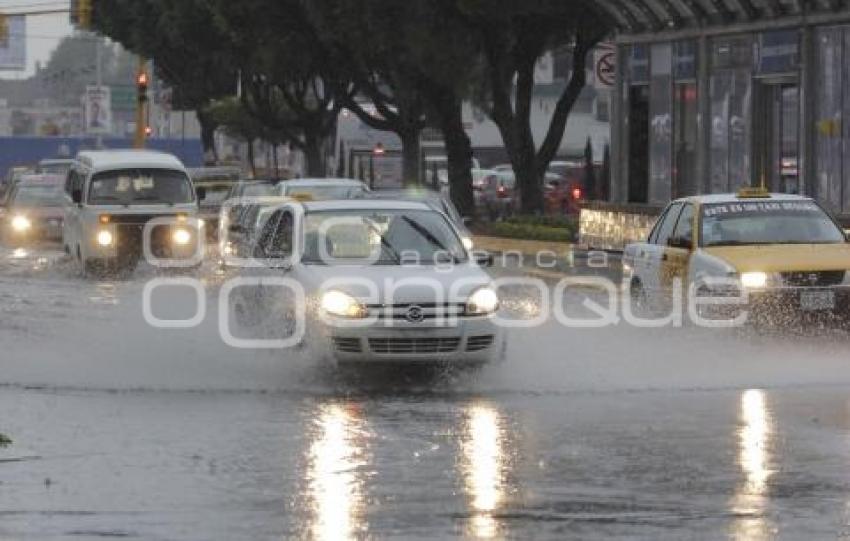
column 141, row 104
column 98, row 82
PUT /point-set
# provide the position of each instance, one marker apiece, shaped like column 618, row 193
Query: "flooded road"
column 747, row 464
column 125, row 431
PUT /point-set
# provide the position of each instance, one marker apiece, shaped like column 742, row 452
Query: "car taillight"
column 576, row 193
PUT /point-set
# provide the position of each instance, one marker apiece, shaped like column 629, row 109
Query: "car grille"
column 429, row 311
column 347, row 345
column 478, row 343
column 413, row 345
column 813, row 278
column 136, row 219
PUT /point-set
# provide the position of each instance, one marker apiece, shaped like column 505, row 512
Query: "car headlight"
column 753, row 280
column 342, row 304
column 105, row 238
column 482, row 301
column 21, row 224
column 467, row 243
column 181, row 237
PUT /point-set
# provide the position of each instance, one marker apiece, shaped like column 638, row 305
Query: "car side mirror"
column 679, row 242
column 77, row 197
column 483, row 259
column 202, row 193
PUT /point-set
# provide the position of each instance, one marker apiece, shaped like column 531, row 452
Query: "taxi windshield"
column 141, row 186
column 768, row 222
column 37, row 195
column 380, row 237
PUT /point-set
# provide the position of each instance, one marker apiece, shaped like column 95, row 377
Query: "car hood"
column 39, row 212
column 784, row 257
column 413, row 284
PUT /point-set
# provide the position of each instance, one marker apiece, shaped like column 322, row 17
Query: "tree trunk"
column 314, row 155
column 276, row 175
column 208, row 127
column 251, row 160
column 410, row 158
column 459, row 155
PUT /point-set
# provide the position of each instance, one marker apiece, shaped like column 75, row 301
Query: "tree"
column 239, row 123
column 414, row 65
column 590, row 186
column 512, row 37
column 606, row 174
column 364, row 39
column 284, row 66
column 188, row 48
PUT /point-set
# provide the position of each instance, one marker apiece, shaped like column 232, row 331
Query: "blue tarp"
column 30, row 150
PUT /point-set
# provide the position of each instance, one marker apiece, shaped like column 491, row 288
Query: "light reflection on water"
column 484, row 467
column 336, row 485
column 750, row 503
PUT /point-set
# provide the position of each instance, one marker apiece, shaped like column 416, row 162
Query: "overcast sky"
column 43, row 32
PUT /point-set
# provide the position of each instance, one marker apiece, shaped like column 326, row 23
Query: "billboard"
column 98, row 110
column 13, row 51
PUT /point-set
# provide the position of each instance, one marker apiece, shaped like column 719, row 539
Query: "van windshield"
column 141, row 186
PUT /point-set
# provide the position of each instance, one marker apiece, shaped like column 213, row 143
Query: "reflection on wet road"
column 483, row 468
column 654, row 465
column 335, row 474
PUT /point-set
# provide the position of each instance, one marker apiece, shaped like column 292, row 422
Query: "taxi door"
column 677, row 250
column 654, row 255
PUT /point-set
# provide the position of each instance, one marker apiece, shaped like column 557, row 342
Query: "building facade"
column 715, row 95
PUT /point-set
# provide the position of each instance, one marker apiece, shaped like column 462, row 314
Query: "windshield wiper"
column 419, row 228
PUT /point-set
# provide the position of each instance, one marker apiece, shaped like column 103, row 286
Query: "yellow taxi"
column 778, row 252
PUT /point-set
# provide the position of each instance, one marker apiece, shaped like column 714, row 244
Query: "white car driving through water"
column 380, row 281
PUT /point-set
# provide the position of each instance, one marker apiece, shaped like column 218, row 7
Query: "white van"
column 110, row 197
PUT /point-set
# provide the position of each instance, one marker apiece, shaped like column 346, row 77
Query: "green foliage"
column 190, row 50
column 543, row 227
column 530, row 231
column 5, row 441
column 237, row 121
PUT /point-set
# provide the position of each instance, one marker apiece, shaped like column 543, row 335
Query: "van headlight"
column 753, row 280
column 21, row 224
column 181, row 237
column 483, row 301
column 337, row 303
column 105, row 238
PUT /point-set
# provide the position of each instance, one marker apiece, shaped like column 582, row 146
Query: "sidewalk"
column 551, row 260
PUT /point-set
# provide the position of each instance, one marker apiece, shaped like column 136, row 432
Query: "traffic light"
column 4, row 30
column 142, row 87
column 81, row 11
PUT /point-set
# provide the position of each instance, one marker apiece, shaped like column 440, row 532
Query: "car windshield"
column 216, row 195
column 258, row 190
column 37, row 195
column 141, row 186
column 54, row 168
column 381, row 237
column 323, row 193
column 783, row 222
